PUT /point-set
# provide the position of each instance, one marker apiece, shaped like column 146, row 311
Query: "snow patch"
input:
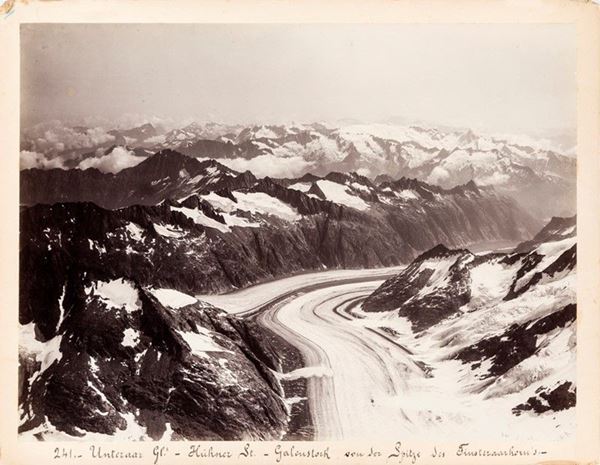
column 131, row 337
column 45, row 353
column 339, row 194
column 168, row 231
column 286, row 166
column 301, row 186
column 134, row 231
column 407, row 194
column 253, row 202
column 117, row 293
column 173, row 298
column 200, row 343
column 200, row 218
column 490, row 281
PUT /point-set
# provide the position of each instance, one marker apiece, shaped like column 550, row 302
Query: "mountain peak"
column 170, row 154
column 469, row 186
column 166, row 162
column 308, row 177
column 440, row 251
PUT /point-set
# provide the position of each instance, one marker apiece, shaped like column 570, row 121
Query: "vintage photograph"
column 297, row 232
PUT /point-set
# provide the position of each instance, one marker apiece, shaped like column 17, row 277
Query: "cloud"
column 30, row 159
column 493, row 179
column 117, row 160
column 155, row 139
column 130, row 140
column 53, row 138
column 270, row 165
column 437, row 175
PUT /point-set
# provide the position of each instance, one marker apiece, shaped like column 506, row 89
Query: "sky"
column 499, row 78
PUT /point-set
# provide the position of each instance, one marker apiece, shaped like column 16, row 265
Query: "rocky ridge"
column 504, row 322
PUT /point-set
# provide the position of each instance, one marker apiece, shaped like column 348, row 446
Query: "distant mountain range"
column 538, row 176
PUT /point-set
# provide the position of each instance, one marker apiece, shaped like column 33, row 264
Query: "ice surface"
column 258, row 295
column 369, row 374
column 306, row 372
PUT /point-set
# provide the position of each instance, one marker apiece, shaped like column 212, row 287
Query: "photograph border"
column 584, row 15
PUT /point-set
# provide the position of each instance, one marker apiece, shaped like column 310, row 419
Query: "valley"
column 370, row 375
column 200, row 302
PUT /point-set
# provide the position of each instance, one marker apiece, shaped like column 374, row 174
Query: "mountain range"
column 154, row 362
column 536, row 174
column 231, row 229
column 114, row 342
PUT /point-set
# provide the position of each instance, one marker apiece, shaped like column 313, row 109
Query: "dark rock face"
column 562, row 397
column 558, row 228
column 438, row 282
column 405, row 291
column 516, row 344
column 173, row 222
column 542, row 180
column 198, row 259
column 565, row 263
column 164, row 175
column 134, row 370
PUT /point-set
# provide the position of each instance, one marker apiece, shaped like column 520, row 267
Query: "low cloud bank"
column 269, row 165
column 117, row 160
column 54, row 138
column 29, row 159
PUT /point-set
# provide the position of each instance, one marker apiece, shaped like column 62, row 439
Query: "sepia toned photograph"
column 297, row 232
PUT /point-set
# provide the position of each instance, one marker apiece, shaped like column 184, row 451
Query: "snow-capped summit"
column 541, row 178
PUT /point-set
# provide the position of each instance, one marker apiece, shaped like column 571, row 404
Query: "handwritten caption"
column 280, row 453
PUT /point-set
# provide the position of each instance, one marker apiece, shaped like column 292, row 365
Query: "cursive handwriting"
column 303, row 452
column 402, row 454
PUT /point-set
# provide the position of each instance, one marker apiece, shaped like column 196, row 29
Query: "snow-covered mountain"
column 534, row 172
column 113, row 251
column 107, row 294
column 499, row 326
column 194, row 132
column 529, row 170
column 151, row 180
column 130, row 362
column 231, row 229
